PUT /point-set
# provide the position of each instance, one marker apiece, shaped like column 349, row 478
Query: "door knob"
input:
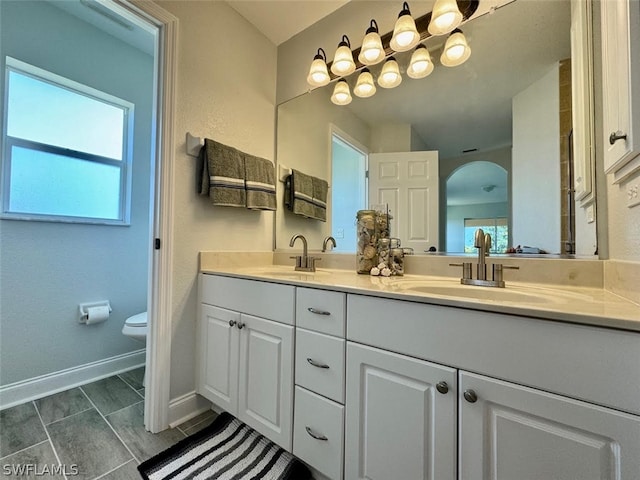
column 442, row 387
column 615, row 136
column 240, row 325
column 470, row 396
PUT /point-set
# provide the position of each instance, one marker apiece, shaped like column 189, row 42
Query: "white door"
column 408, row 183
column 514, row 432
column 265, row 387
column 218, row 369
column 398, row 425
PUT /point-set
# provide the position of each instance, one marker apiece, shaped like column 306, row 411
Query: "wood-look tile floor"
column 95, row 431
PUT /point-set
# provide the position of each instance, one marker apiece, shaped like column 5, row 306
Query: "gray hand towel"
column 302, row 188
column 224, row 168
column 260, row 183
column 320, row 188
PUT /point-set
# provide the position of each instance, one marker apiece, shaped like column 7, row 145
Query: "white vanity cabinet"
column 620, row 26
column 245, row 362
column 508, row 431
column 400, row 417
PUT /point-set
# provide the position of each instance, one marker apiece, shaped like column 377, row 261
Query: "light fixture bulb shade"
column 343, row 63
column 390, row 75
column 405, row 35
column 371, row 51
column 420, row 64
column 318, row 73
column 341, row 94
column 365, row 87
column 445, row 17
column 456, row 50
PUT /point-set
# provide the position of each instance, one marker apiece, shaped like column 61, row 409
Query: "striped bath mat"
column 225, row 450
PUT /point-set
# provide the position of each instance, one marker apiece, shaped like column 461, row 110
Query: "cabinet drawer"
column 321, row 311
column 320, row 363
column 263, row 299
column 319, row 417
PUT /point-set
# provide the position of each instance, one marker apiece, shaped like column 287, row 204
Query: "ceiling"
column 279, row 20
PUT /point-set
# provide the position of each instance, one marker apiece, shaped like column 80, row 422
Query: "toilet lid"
column 139, row 320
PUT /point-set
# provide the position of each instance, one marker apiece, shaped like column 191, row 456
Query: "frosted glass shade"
column 405, row 36
column 343, row 63
column 341, row 94
column 420, row 64
column 390, row 75
column 318, row 73
column 456, row 50
column 371, row 51
column 365, row 87
column 445, row 17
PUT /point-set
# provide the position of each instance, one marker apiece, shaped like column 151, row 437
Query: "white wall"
column 226, row 92
column 536, row 161
column 47, row 269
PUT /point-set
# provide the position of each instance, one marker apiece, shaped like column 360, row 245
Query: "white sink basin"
column 511, row 294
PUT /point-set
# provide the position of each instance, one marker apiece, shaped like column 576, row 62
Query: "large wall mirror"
column 501, row 125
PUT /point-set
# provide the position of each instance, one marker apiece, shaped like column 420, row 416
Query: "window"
column 496, row 227
column 67, row 150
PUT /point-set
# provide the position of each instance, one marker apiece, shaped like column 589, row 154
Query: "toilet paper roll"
column 97, row 314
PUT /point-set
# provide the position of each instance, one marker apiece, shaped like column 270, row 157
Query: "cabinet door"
column 398, row 425
column 218, row 357
column 512, row 431
column 620, row 22
column 266, row 378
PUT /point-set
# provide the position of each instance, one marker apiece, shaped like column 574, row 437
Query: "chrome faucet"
column 482, row 241
column 327, row 240
column 304, row 263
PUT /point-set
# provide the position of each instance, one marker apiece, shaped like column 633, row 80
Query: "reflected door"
column 408, row 183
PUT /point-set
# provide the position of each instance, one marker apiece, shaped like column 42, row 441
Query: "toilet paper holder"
column 84, row 309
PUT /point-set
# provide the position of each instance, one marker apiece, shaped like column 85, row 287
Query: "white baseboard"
column 45, row 385
column 187, row 406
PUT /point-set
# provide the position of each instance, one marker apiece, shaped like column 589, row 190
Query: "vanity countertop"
column 582, row 305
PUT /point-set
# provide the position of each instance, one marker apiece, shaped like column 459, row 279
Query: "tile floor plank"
column 111, row 394
column 128, row 471
column 60, row 405
column 87, row 441
column 34, row 462
column 134, row 378
column 129, row 424
column 21, row 428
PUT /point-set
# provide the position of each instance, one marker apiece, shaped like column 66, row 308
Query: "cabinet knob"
column 442, row 387
column 240, row 325
column 470, row 396
column 232, row 323
column 315, row 435
column 316, row 364
column 318, row 312
column 615, row 136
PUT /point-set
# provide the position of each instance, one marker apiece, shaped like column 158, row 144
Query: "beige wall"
column 226, row 93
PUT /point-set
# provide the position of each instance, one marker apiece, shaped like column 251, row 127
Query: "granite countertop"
column 581, row 305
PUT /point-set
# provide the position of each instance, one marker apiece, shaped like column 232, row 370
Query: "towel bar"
column 193, row 145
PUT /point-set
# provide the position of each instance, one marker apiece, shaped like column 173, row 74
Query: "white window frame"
column 124, row 217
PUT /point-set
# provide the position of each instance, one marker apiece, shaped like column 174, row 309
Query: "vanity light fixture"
column 364, row 86
column 390, row 75
column 318, row 73
column 456, row 50
column 343, row 63
column 420, row 64
column 405, row 35
column 445, row 17
column 341, row 94
column 371, row 51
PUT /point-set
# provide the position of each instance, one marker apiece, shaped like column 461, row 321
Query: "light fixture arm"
column 321, row 55
column 373, row 27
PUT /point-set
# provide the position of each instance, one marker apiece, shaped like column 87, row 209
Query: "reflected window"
column 498, row 228
column 66, row 149
column 348, row 189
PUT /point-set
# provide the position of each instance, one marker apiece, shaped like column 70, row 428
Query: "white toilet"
column 136, row 327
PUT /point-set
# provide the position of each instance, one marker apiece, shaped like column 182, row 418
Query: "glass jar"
column 367, row 251
column 383, row 252
column 396, row 261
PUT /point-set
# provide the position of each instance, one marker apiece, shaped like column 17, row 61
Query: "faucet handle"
column 498, row 270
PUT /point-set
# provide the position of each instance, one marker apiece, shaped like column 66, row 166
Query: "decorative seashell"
column 375, row 271
column 382, row 265
column 385, row 272
column 369, row 252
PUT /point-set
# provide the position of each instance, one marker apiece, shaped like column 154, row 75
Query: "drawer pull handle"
column 316, row 364
column 318, row 312
column 442, row 387
column 615, row 136
column 232, row 323
column 240, row 325
column 470, row 396
column 315, row 435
